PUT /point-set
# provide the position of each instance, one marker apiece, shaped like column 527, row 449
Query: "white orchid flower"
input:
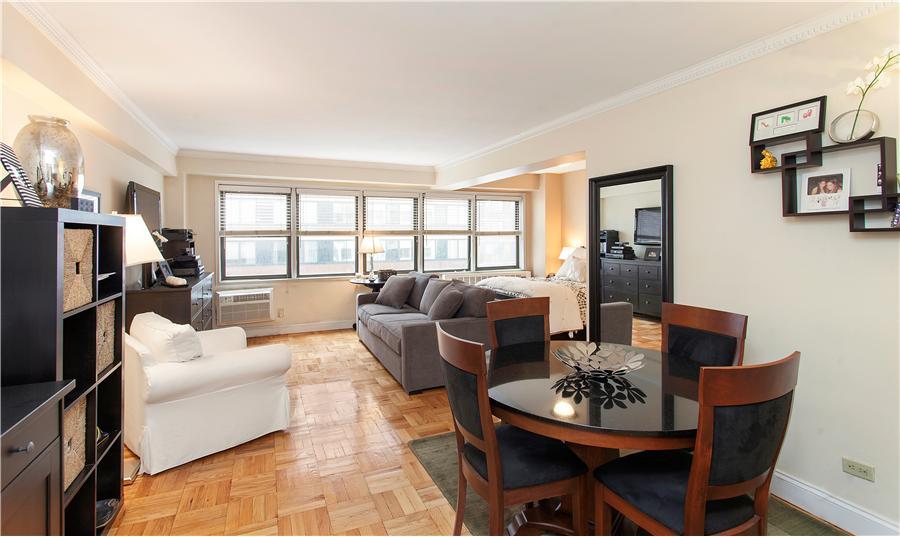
column 883, row 82
column 853, row 89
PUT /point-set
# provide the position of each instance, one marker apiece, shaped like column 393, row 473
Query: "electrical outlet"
column 858, row 469
column 281, row 313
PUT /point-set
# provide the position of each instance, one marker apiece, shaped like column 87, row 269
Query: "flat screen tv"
column 145, row 202
column 648, row 226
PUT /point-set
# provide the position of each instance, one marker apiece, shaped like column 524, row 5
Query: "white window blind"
column 328, row 232
column 498, row 233
column 254, row 233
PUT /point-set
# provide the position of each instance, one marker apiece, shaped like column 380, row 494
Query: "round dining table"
column 597, row 397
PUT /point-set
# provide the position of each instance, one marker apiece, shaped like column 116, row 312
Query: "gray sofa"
column 404, row 339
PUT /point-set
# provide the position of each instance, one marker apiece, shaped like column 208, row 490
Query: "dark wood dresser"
column 181, row 305
column 634, row 281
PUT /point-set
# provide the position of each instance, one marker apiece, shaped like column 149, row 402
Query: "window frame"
column 519, row 232
column 415, row 232
column 468, row 232
column 418, row 233
column 222, row 235
column 297, row 193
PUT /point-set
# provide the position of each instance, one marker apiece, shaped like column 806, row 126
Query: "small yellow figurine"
column 768, row 161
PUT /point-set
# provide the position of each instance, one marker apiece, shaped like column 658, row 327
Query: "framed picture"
column 805, row 116
column 88, row 201
column 824, row 191
column 165, row 269
column 15, row 174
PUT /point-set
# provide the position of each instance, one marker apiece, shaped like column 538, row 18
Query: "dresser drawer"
column 609, row 268
column 619, row 296
column 627, row 270
column 614, row 283
column 27, row 441
column 649, row 272
column 652, row 287
column 650, row 304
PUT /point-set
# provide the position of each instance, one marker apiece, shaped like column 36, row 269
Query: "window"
column 393, row 222
column 254, row 231
column 498, row 233
column 327, row 232
column 447, row 235
column 271, row 232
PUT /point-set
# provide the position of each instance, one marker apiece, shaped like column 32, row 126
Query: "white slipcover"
column 176, row 412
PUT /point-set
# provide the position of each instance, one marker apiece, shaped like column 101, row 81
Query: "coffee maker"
column 608, row 237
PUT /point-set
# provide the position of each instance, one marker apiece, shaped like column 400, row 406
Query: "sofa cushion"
column 432, row 290
column 387, row 327
column 366, row 311
column 395, row 291
column 415, row 296
column 475, row 300
column 167, row 341
column 446, row 304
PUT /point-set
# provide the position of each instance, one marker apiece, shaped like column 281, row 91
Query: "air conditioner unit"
column 242, row 306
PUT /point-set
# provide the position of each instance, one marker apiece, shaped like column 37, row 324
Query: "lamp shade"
column 139, row 245
column 566, row 252
column 370, row 246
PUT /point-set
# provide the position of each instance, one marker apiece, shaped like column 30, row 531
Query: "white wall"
column 39, row 79
column 806, row 283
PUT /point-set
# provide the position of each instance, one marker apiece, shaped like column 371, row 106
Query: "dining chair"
column 503, row 464
column 519, row 320
column 743, row 418
column 710, row 337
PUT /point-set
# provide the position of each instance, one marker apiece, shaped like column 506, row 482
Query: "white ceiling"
column 408, row 83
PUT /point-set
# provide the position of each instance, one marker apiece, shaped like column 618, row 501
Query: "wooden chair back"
column 702, row 332
column 519, row 320
column 465, row 369
column 744, row 413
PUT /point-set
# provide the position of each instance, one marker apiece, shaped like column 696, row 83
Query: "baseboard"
column 281, row 329
column 828, row 507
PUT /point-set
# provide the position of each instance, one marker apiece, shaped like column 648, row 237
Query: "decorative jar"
column 51, row 156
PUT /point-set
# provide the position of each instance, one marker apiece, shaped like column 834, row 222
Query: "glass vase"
column 51, row 156
column 847, row 127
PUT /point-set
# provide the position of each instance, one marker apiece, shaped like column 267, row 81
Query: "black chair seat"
column 655, row 482
column 527, row 459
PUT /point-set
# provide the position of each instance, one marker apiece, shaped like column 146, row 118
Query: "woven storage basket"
column 78, row 268
column 74, row 440
column 106, row 335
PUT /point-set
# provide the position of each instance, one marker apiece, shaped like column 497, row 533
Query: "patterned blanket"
column 568, row 299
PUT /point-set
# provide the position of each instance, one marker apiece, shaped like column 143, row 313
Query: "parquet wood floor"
column 343, row 467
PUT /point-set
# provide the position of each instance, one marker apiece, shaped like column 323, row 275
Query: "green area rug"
column 438, row 455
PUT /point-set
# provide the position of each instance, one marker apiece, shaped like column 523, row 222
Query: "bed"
column 568, row 298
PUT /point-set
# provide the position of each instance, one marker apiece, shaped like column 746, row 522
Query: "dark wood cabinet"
column 62, row 295
column 181, row 305
column 31, row 458
column 634, row 281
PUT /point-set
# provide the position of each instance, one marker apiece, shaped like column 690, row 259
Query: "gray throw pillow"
column 446, row 304
column 475, row 299
column 395, row 291
column 432, row 290
column 418, row 290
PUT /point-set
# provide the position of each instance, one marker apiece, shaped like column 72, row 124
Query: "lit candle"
column 563, row 409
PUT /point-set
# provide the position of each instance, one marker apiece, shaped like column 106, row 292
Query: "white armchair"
column 176, row 412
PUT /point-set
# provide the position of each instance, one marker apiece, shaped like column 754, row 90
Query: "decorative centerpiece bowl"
column 607, row 357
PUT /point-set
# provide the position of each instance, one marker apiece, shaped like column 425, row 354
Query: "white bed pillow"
column 167, row 341
column 575, row 266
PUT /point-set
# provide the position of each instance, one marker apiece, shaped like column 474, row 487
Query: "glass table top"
column 604, row 387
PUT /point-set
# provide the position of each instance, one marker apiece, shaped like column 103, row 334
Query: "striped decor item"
column 18, row 176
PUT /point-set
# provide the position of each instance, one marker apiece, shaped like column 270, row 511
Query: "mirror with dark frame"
column 631, row 247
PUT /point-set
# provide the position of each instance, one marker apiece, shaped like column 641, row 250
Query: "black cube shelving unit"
column 44, row 343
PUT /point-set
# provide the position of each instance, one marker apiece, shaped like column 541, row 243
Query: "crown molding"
column 755, row 49
column 63, row 40
column 302, row 161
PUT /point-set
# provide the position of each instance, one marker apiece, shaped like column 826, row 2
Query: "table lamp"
column 370, row 246
column 566, row 252
column 140, row 248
